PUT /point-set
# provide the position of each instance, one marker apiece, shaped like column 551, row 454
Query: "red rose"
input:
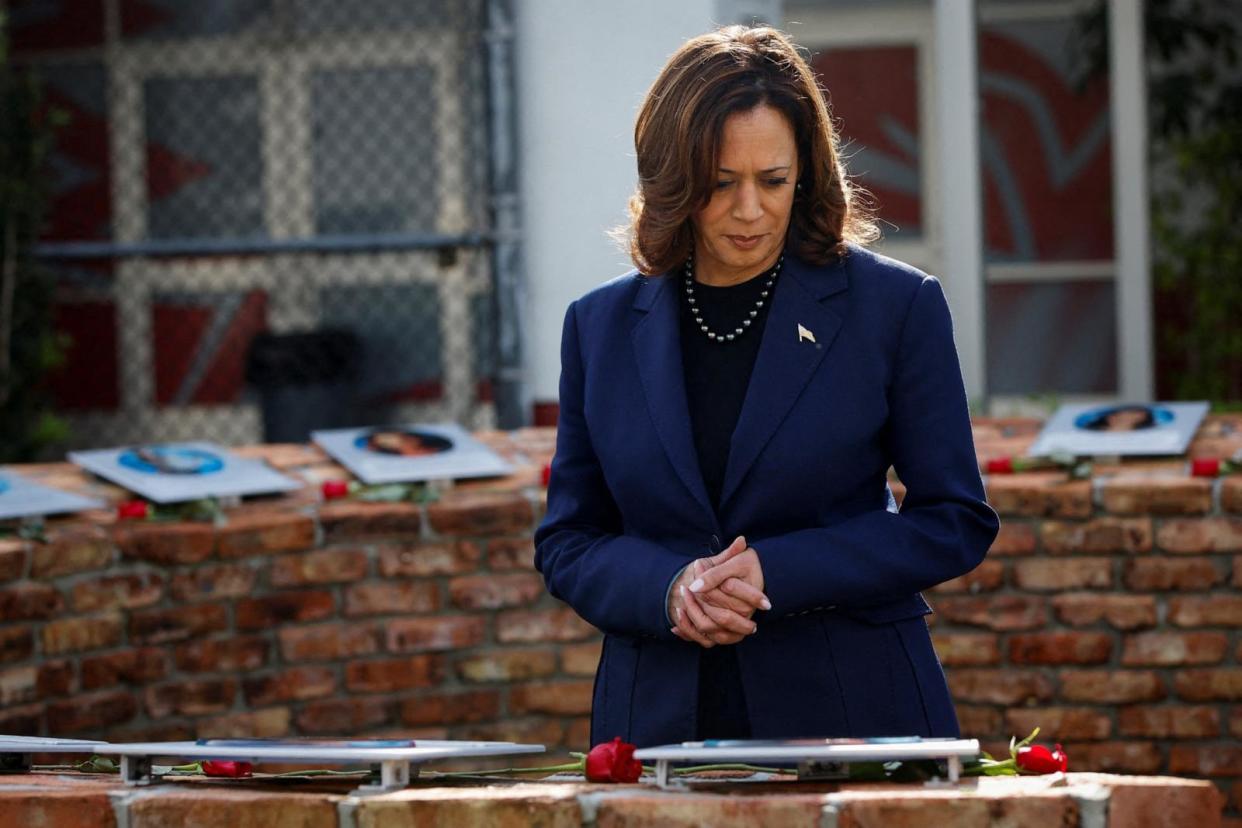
column 333, row 489
column 1038, row 759
column 613, row 762
column 1000, row 465
column 1205, row 466
column 547, row 474
column 132, row 510
column 213, row 767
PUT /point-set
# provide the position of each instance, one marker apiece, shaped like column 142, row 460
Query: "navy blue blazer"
column 845, row 650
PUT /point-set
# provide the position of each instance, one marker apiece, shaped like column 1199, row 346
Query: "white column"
column 1128, row 80
column 960, row 192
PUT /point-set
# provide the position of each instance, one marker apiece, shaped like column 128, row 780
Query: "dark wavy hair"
column 677, row 139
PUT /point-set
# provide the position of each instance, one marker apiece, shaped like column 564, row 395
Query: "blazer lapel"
column 657, row 348
column 798, row 333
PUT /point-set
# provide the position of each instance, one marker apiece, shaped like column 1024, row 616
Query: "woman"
column 753, row 381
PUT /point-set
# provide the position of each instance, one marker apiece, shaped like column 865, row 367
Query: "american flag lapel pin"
column 804, row 334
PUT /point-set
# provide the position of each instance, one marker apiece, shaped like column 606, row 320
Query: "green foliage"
column 29, row 347
column 1195, row 118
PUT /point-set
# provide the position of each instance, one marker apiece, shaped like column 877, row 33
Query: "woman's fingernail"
column 766, row 604
column 696, row 585
column 677, row 612
column 754, row 628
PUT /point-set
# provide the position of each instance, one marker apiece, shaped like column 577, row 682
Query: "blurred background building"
column 265, row 216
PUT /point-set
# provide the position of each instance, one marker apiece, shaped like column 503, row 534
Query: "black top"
column 717, row 375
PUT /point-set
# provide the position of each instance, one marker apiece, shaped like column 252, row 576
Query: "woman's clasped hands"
column 713, row 599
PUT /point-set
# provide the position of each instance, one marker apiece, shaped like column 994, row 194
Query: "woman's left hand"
column 737, row 578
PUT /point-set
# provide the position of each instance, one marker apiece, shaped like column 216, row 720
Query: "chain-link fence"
column 267, row 215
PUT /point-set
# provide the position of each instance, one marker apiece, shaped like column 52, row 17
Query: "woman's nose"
column 746, row 206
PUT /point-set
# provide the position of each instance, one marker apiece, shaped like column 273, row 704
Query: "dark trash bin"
column 306, row 381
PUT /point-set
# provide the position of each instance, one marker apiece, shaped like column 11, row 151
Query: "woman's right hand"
column 721, row 615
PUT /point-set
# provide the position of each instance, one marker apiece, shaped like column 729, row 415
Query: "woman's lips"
column 744, row 242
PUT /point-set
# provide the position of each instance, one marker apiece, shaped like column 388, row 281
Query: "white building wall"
column 583, row 68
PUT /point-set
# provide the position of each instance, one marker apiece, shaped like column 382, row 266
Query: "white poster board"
column 409, row 453
column 175, row 472
column 20, row 498
column 1159, row 428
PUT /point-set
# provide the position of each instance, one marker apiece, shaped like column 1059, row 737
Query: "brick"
column 1211, row 611
column 1038, row 495
column 89, row 713
column 532, row 626
column 1050, row 574
column 294, row 684
column 986, row 577
column 19, row 685
column 1159, row 574
column 996, row 612
column 507, row 665
column 1060, row 648
column 226, row 807
column 166, row 543
column 1199, row 535
column 264, row 533
column 481, row 513
column 1182, row 722
column 110, row 592
column 643, row 808
column 1103, row 536
column 69, row 551
column 321, row 566
column 1006, row 687
column 63, row 809
column 1112, row 686
column 279, row 608
column 442, row 632
column 1157, row 496
column 857, row 809
column 90, row 632
column 238, row 654
column 580, row 659
column 160, row 626
column 1206, row 760
column 134, row 666
column 159, row 732
column 494, row 591
column 560, row 698
column 16, row 644
column 510, row 553
column 353, row 520
column 391, row 598
column 213, row 583
column 392, row 674
column 425, row 559
column 979, row 721
column 338, row 716
column 328, row 642
column 1231, row 494
column 25, row 720
column 1059, row 724
column 1013, row 539
column 451, row 708
column 579, row 731
column 1161, row 649
column 541, row 730
column 1237, row 571
column 1224, row 684
column 55, row 678
column 13, row 556
column 269, row 723
column 1124, row 612
column 528, row 804
column 1116, row 757
column 961, row 649
column 190, row 698
column 1135, row 801
column 24, row 601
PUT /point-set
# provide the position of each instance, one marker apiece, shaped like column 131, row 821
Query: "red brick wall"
column 1108, row 613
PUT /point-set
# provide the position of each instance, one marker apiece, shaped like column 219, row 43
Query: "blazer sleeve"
column 615, row 581
column 944, row 527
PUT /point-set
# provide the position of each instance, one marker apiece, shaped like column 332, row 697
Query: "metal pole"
column 508, row 279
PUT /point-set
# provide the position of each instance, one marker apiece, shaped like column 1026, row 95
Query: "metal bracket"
column 394, row 774
column 136, row 770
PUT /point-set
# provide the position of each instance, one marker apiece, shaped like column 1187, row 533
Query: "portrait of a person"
column 1120, row 418
column 729, row 411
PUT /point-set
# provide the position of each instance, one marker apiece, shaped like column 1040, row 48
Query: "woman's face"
column 741, row 232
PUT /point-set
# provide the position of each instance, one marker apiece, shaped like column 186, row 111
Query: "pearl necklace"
column 698, row 316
